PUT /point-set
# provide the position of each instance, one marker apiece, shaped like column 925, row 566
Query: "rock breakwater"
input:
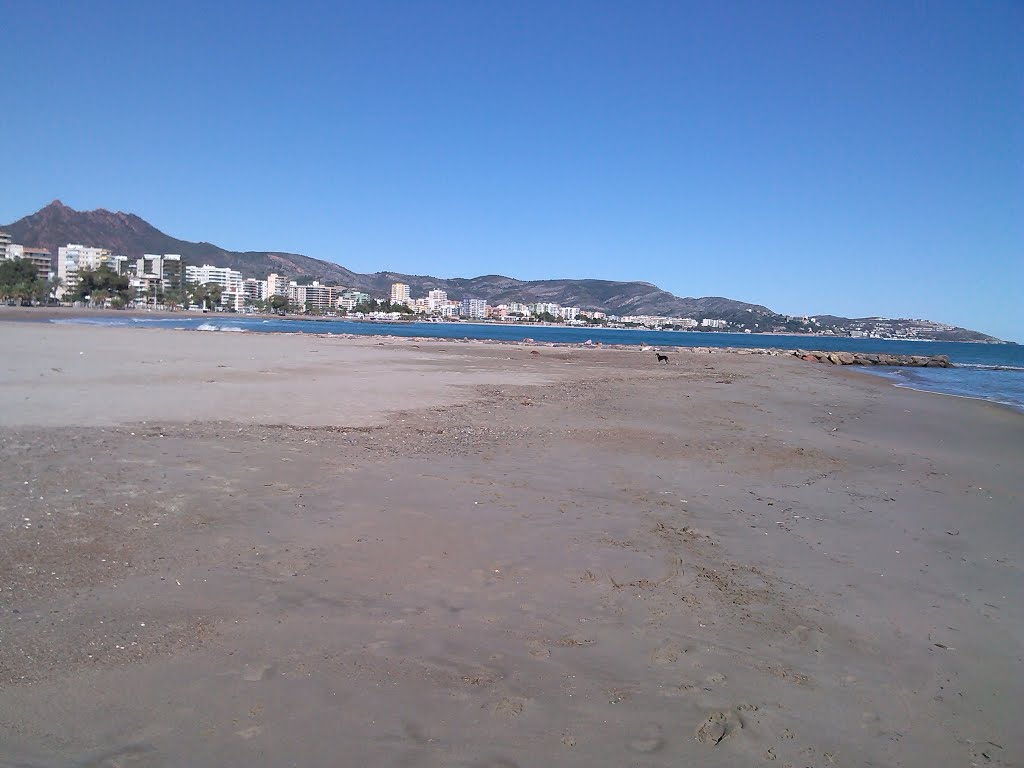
column 855, row 358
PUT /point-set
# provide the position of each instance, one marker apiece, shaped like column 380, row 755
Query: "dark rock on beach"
column 851, row 358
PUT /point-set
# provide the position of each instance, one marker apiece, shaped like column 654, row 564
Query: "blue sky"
column 855, row 158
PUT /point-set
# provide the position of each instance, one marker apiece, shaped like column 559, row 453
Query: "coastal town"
column 93, row 276
column 165, row 281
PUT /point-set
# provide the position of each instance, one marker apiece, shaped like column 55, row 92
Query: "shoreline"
column 10, row 313
column 879, row 370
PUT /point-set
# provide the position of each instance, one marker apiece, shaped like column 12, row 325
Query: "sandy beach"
column 228, row 549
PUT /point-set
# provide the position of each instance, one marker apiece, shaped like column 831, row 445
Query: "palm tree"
column 213, row 294
column 55, row 283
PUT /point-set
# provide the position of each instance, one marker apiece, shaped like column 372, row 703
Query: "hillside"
column 127, row 234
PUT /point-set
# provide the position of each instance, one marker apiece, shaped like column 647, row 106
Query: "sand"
column 234, row 549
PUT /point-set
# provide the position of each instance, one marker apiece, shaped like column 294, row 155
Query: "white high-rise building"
column 230, row 281
column 254, row 289
column 40, row 257
column 277, row 285
column 5, row 240
column 73, row 257
column 541, row 307
column 314, row 296
column 436, row 300
column 400, row 293
column 474, row 308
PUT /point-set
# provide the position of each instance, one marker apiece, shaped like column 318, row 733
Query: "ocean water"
column 984, row 371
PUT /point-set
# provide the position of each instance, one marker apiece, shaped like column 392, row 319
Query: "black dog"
column 661, row 358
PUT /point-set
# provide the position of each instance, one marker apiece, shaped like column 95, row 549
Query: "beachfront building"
column 515, row 308
column 475, row 309
column 436, row 300
column 276, row 285
column 122, row 265
column 146, row 288
column 400, row 294
column 155, row 274
column 230, row 281
column 349, row 300
column 172, row 272
column 40, row 257
column 5, row 240
column 541, row 308
column 252, row 290
column 568, row 313
column 73, row 257
column 314, row 296
column 710, row 323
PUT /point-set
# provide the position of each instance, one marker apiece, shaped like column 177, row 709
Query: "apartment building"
column 314, row 296
column 276, row 285
column 253, row 289
column 230, row 281
column 5, row 241
column 349, row 300
column 73, row 257
column 122, row 265
column 155, row 274
column 172, row 273
column 475, row 309
column 540, row 308
column 400, row 294
column 40, row 257
column 436, row 300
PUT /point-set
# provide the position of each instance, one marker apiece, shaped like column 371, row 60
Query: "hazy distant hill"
column 127, row 234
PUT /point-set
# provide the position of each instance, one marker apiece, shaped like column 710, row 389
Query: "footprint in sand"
column 510, row 707
column 666, row 654
column 718, row 726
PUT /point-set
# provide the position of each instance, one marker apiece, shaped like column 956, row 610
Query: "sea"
column 993, row 372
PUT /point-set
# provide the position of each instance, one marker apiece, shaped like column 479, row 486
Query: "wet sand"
column 232, row 549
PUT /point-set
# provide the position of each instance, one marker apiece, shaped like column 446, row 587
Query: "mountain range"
column 56, row 225
column 125, row 233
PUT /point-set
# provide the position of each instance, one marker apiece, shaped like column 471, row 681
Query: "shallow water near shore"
column 992, row 384
column 993, row 372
